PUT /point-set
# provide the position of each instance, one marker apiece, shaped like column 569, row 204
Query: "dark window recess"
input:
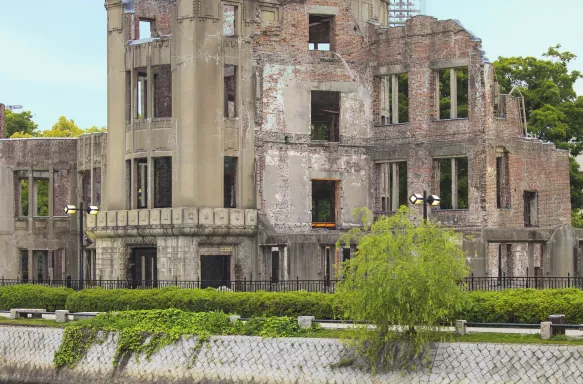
column 86, row 187
column 502, row 183
column 325, row 123
column 530, row 209
column 215, row 271
column 345, row 254
column 162, row 90
column 24, row 264
column 230, row 182
column 453, row 186
column 275, row 266
column 327, row 262
column 324, row 203
column 230, row 91
column 142, row 187
column 143, row 268
column 444, row 85
column 41, row 261
column 392, row 195
column 128, row 184
column 162, row 182
column 320, row 28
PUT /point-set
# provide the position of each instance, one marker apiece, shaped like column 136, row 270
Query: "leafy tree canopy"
column 404, row 280
column 19, row 122
column 63, row 128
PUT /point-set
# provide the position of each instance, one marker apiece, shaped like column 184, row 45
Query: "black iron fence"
column 326, row 286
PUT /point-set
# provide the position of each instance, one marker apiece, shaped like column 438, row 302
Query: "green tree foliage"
column 20, row 123
column 63, row 128
column 404, row 280
column 554, row 111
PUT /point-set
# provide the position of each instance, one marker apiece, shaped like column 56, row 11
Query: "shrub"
column 33, row 296
column 245, row 304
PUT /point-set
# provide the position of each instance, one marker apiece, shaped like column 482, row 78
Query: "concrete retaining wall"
column 26, row 356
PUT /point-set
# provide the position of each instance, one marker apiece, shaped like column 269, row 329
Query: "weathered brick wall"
column 159, row 11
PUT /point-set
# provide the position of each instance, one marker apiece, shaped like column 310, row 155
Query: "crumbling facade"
column 242, row 134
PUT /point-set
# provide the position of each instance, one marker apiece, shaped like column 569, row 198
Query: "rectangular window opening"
column 142, row 97
column 41, row 195
column 24, row 264
column 41, row 265
column 230, row 182
column 324, row 203
column 142, row 180
column 325, row 116
column 162, row 182
column 146, row 29
column 392, row 185
column 162, row 91
column 128, row 184
column 444, row 84
column 230, row 91
column 319, row 34
column 453, row 183
column 403, row 98
column 22, row 196
column 530, row 209
column 215, row 271
column 502, row 183
column 229, row 20
column 462, row 84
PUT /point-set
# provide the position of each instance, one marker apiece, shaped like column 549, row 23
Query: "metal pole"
column 81, row 245
column 425, row 205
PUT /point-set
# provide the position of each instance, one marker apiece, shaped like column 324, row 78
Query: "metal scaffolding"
column 402, row 10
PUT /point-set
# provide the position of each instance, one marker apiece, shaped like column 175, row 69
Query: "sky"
column 53, row 53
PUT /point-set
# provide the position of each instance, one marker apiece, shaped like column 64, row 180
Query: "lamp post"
column 418, row 199
column 71, row 210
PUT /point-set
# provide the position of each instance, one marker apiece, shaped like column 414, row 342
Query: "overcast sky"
column 53, row 53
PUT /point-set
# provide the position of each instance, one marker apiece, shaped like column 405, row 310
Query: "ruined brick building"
column 241, row 134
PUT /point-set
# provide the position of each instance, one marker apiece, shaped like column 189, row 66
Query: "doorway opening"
column 143, row 268
column 215, row 271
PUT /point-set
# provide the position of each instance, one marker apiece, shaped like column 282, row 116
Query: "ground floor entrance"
column 215, row 271
column 143, row 268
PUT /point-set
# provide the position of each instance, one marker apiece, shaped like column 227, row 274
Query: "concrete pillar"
column 453, row 97
column 305, row 322
column 61, row 316
column 116, row 106
column 461, row 328
column 546, row 330
column 395, row 99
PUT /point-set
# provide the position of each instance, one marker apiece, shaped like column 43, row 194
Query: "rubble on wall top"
column 143, row 41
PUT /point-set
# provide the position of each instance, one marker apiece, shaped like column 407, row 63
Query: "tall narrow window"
column 41, row 264
column 394, row 99
column 22, row 191
column 230, row 182
column 530, row 209
column 320, row 33
column 230, row 91
column 325, row 119
column 142, row 176
column 502, row 182
column 24, row 264
column 142, row 96
column 128, row 184
column 229, row 20
column 275, row 265
column 452, row 91
column 162, row 182
column 392, row 185
column 324, row 203
column 41, row 194
column 146, row 28
column 452, row 176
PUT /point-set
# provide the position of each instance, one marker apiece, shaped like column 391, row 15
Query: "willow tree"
column 404, row 280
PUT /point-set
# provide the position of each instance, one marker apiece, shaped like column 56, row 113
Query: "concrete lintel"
column 335, row 86
column 390, row 70
column 333, row 175
column 322, row 10
column 516, row 235
column 450, row 63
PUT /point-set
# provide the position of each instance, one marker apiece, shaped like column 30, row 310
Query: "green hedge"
column 510, row 306
column 33, row 297
column 529, row 306
column 245, row 304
